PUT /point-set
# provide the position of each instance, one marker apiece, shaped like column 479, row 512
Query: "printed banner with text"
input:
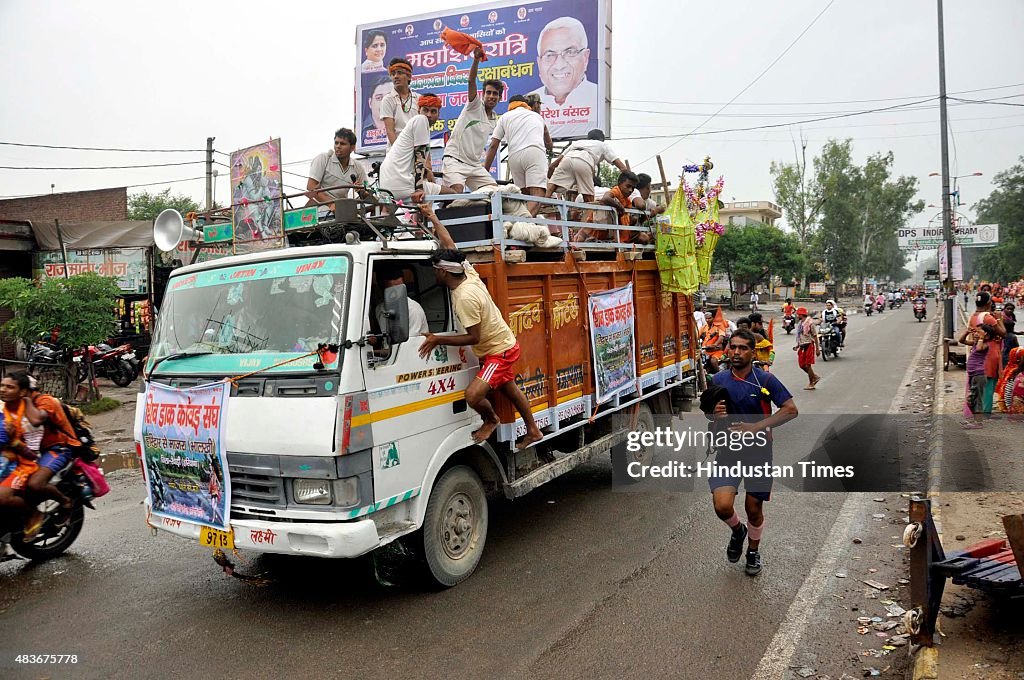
column 612, row 341
column 553, row 48
column 183, row 453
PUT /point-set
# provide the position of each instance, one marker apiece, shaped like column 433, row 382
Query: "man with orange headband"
column 398, row 107
column 461, row 165
column 405, row 170
column 522, row 128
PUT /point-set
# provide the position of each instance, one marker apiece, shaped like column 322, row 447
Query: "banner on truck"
column 555, row 48
column 613, row 341
column 183, row 453
column 257, row 213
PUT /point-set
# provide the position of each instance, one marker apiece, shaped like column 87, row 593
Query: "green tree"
column 81, row 306
column 799, row 197
column 752, row 254
column 608, row 174
column 861, row 210
column 1005, row 207
column 146, row 206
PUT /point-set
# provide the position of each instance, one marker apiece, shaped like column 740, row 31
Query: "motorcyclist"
column 880, row 301
column 788, row 309
column 836, row 316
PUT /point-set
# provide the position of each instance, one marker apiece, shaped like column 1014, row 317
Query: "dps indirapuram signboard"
column 925, row 238
column 559, row 49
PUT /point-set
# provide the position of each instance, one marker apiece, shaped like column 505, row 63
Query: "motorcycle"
column 869, row 308
column 920, row 310
column 52, row 540
column 828, row 340
column 119, row 364
column 43, row 352
column 788, row 323
column 880, row 307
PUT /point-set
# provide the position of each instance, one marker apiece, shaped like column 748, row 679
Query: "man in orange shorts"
column 806, row 346
column 486, row 331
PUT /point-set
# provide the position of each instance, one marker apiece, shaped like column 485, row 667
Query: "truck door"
column 415, row 403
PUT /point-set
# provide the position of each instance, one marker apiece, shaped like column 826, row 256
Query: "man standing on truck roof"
column 751, row 393
column 522, row 128
column 405, row 170
column 401, row 105
column 486, row 331
column 461, row 165
column 574, row 170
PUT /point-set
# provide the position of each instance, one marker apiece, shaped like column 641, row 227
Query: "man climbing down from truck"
column 486, row 331
column 749, row 393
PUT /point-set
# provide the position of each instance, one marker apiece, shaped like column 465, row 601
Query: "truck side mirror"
column 396, row 308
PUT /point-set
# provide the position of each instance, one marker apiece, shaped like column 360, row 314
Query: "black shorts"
column 758, row 487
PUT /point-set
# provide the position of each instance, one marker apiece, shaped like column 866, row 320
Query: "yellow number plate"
column 215, row 538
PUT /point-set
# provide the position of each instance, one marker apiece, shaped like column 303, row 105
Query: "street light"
column 956, row 192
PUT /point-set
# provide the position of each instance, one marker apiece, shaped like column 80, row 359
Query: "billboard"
column 569, row 68
column 127, row 265
column 926, row 238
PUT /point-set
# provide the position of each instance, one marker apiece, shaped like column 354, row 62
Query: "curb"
column 926, row 660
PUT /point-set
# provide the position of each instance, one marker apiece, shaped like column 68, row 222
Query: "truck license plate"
column 215, row 538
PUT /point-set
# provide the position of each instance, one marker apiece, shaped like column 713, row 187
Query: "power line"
column 770, row 125
column 838, row 101
column 782, row 140
column 751, row 83
column 97, row 148
column 988, row 101
column 749, row 115
column 127, row 186
column 98, row 167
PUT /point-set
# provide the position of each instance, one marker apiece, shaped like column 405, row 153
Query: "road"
column 577, row 581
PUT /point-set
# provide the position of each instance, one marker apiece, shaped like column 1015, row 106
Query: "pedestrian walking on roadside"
column 754, row 299
column 806, row 346
column 747, row 408
column 984, row 333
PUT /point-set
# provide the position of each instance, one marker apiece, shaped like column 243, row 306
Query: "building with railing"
column 742, row 213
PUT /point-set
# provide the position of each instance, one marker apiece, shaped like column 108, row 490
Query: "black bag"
column 87, row 450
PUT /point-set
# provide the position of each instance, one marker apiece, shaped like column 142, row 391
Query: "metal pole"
column 947, row 210
column 63, row 250
column 209, row 173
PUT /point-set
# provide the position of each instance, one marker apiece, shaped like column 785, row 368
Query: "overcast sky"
column 168, row 75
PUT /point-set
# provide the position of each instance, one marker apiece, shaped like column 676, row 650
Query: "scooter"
column 869, row 308
column 788, row 323
column 920, row 310
column 880, row 307
column 51, row 540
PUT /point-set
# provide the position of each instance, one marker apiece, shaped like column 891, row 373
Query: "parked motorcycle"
column 44, row 353
column 119, row 364
column 52, row 540
column 828, row 340
column 920, row 310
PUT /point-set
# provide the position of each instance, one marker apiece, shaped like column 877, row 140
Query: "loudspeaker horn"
column 169, row 230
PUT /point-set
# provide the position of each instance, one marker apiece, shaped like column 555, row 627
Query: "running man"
column 486, row 331
column 751, row 395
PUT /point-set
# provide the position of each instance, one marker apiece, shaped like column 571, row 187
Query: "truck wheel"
column 622, row 457
column 455, row 526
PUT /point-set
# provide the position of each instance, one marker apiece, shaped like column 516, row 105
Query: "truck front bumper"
column 320, row 539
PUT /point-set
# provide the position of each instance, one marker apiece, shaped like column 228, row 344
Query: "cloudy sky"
column 168, row 75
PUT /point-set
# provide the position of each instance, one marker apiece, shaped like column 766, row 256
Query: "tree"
column 753, row 254
column 608, row 174
column 1005, row 207
column 800, row 199
column 146, row 206
column 861, row 210
column 82, row 307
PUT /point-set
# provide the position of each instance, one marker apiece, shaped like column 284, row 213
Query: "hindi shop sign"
column 183, row 453
column 127, row 265
column 926, row 238
column 554, row 48
column 613, row 341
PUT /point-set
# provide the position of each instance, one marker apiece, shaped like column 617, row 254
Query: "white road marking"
column 778, row 655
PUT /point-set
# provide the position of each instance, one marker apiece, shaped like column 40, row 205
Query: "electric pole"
column 947, row 210
column 209, row 171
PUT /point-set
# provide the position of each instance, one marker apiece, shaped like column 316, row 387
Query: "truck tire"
column 622, row 457
column 455, row 526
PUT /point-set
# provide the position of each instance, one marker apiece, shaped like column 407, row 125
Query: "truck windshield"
column 252, row 316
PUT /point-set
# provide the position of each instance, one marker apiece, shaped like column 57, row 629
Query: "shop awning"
column 84, row 235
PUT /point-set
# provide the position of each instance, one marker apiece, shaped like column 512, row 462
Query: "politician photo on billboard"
column 555, row 49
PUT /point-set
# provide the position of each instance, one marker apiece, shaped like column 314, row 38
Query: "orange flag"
column 461, row 42
column 771, row 331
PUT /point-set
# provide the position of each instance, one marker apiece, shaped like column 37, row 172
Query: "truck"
column 337, row 459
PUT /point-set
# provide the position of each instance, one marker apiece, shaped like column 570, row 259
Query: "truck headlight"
column 346, row 491
column 312, row 491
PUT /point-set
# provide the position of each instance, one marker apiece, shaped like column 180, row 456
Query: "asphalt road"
column 578, row 580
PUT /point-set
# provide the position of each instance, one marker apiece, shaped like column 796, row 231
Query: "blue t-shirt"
column 746, row 394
